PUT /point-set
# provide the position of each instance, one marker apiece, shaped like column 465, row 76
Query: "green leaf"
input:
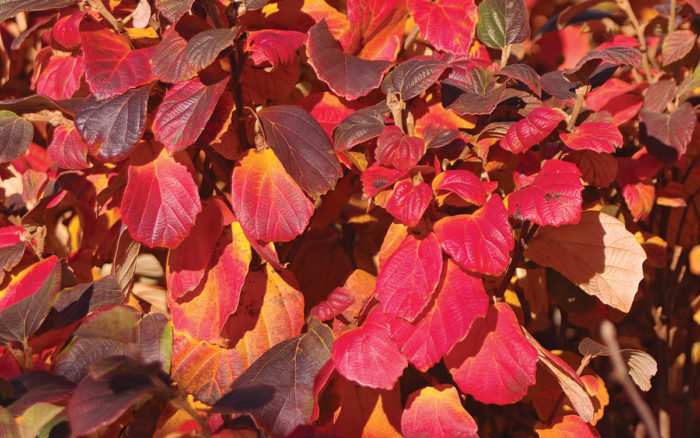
column 503, row 22
column 36, row 417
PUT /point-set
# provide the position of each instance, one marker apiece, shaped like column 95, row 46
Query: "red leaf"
column 66, row 31
column 367, row 354
column 337, row 301
column 568, row 426
column 619, row 55
column 478, row 93
column 676, row 45
column 61, row 77
column 594, row 136
column 203, row 48
column 204, row 315
column 347, row 75
column 553, row 198
column 447, row 24
column 666, row 136
column 267, row 201
column 375, row 28
column 632, row 174
column 114, row 124
column 188, row 262
column 184, row 112
column 464, row 184
column 327, row 109
column 111, row 67
column 377, row 178
column 67, row 148
column 273, row 48
column 525, row 74
column 399, row 151
column 301, row 146
column 408, row 278
column 495, row 363
column 409, row 202
column 531, row 130
column 27, row 282
column 459, row 301
column 160, row 202
column 478, row 242
column 597, row 169
column 437, row 412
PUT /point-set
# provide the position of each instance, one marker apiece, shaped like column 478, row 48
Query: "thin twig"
column 672, row 17
column 526, row 232
column 647, row 58
column 411, row 37
column 580, row 97
column 620, row 374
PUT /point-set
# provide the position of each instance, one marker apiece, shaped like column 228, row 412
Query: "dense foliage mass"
column 349, row 218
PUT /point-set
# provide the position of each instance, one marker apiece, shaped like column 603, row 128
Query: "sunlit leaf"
column 266, row 200
column 301, row 146
column 160, row 202
column 525, row 74
column 397, row 150
column 61, row 77
column 409, row 202
column 463, row 183
column 36, row 417
column 375, row 28
column 67, row 148
column 111, row 67
column 447, row 24
column 168, row 58
column 173, row 9
column 494, row 363
column 568, row 426
column 291, row 367
column 594, row 136
column 347, row 75
column 642, row 366
column 368, row 355
column 337, row 302
column 553, row 198
column 478, row 242
column 274, row 48
column 437, row 412
column 531, row 130
column 115, row 124
column 15, row 135
column 460, row 299
column 203, row 48
column 598, row 254
column 184, row 112
column 364, row 124
column 408, row 278
column 34, row 387
column 503, row 22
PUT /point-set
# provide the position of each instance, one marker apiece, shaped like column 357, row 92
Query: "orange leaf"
column 437, row 412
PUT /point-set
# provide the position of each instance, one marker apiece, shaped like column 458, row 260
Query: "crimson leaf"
column 666, row 136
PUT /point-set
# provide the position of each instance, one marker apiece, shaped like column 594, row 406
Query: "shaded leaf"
column 160, row 202
column 479, row 95
column 618, row 55
column 111, row 67
column 525, row 74
column 676, row 45
column 115, row 124
column 118, row 323
column 660, row 94
column 301, row 146
column 364, row 124
column 252, row 5
column 531, row 130
column 8, row 426
column 38, row 386
column 173, row 9
column 125, row 260
column 666, row 136
column 10, row 8
column 408, row 278
column 347, row 75
column 244, row 399
column 553, row 198
column 76, row 302
column 36, row 417
column 503, row 22
column 24, row 317
column 184, row 112
column 412, row 77
column 494, row 363
column 168, row 58
column 291, row 367
column 271, row 48
column 478, row 242
column 266, row 200
column 598, row 254
column 335, row 304
column 409, row 202
column 437, row 412
column 368, row 355
column 460, row 299
column 203, row 48
column 594, row 136
column 100, row 400
column 597, row 169
column 67, row 148
column 447, row 24
column 15, row 135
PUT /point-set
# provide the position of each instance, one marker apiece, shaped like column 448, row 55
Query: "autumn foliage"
column 352, row 218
